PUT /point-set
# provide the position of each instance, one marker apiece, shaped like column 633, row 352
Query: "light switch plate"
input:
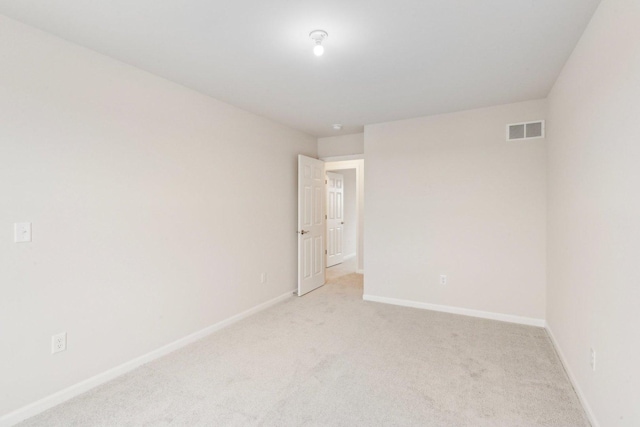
column 22, row 232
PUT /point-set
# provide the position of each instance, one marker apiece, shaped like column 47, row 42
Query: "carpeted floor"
column 331, row 359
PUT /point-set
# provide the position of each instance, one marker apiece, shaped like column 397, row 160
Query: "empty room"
column 338, row 213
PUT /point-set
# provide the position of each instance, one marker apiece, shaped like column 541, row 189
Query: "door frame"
column 333, row 164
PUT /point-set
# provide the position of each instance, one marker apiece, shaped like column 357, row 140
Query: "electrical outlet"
column 443, row 279
column 59, row 343
column 593, row 359
column 263, row 278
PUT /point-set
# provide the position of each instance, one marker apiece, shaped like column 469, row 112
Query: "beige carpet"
column 330, row 359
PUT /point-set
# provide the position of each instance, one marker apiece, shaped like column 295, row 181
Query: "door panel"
column 311, row 224
column 335, row 218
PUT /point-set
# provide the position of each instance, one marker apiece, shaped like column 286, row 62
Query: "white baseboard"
column 572, row 378
column 346, row 257
column 360, row 271
column 458, row 310
column 83, row 386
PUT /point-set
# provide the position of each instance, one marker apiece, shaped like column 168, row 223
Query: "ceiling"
column 384, row 60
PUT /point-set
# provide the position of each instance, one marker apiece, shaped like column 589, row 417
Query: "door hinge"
column 325, row 181
column 325, row 217
column 325, row 251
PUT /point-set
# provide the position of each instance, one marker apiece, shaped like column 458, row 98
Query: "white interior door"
column 311, row 250
column 335, row 218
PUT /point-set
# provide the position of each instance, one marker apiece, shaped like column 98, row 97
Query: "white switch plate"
column 263, row 278
column 22, row 232
column 443, row 279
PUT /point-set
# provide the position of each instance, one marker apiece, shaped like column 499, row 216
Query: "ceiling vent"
column 528, row 130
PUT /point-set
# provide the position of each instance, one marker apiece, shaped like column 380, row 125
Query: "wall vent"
column 527, row 130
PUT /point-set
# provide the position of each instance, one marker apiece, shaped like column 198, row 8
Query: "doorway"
column 351, row 242
column 312, row 222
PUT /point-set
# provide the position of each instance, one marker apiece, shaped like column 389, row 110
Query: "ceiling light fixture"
column 318, row 36
column 337, row 126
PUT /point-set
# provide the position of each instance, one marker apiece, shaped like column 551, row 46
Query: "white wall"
column 342, row 145
column 448, row 195
column 154, row 211
column 594, row 213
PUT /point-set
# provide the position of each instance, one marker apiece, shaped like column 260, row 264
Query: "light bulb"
column 318, row 50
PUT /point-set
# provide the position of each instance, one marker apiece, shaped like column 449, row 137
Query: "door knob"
column 303, row 232
column 342, row 222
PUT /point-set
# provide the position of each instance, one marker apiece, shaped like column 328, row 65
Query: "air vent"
column 528, row 130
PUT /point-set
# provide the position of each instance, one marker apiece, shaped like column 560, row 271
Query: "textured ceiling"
column 383, row 61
